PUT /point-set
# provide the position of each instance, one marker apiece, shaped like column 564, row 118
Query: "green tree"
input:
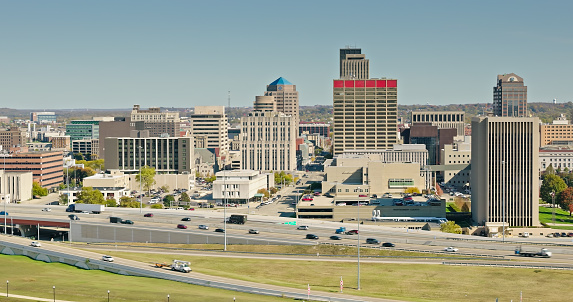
column 97, row 164
column 63, row 199
column 450, row 227
column 165, row 188
column 551, row 183
column 550, row 169
column 412, row 190
column 37, row 190
column 185, row 197
column 210, row 179
column 110, row 203
column 281, row 177
column 146, row 178
column 565, row 199
column 157, row 206
column 128, row 202
column 167, row 200
column 90, row 195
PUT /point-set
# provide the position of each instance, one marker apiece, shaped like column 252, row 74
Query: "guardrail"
column 511, row 242
column 505, row 264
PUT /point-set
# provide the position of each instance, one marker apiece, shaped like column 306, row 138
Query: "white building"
column 17, row 185
column 240, row 186
column 407, row 153
column 457, row 169
column 556, row 157
column 209, row 128
column 268, row 138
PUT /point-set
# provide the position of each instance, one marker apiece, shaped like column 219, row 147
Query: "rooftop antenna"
column 229, row 98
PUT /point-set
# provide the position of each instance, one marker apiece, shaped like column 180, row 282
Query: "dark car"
column 388, row 244
column 181, row 226
column 127, row 221
column 73, row 217
column 372, row 241
column 352, row 232
column 311, row 236
column 4, row 213
column 186, row 219
column 563, row 234
column 220, row 230
column 556, row 235
column 335, row 237
column 148, row 215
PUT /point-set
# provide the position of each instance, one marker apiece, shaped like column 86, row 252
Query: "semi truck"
column 532, row 252
column 181, row 266
column 115, row 219
column 238, row 219
column 86, row 207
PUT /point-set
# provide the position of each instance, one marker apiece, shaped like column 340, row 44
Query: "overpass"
column 31, row 226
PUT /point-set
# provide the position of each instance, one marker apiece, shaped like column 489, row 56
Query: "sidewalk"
column 2, row 294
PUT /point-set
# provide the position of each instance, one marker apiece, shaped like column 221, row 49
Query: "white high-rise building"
column 209, row 127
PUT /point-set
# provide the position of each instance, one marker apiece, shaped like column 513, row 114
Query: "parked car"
column 311, row 236
column 372, row 241
column 302, row 227
column 46, row 210
column 335, row 237
column 203, row 227
column 35, row 244
column 388, row 244
column 220, row 230
column 107, row 258
column 563, row 234
column 73, row 217
column 148, row 215
column 186, row 219
column 181, row 226
column 569, row 234
column 451, row 249
column 253, row 231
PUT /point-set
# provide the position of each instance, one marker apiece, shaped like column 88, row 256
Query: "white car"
column 46, row 210
column 35, row 244
column 107, row 258
column 302, row 227
column 451, row 249
column 203, row 227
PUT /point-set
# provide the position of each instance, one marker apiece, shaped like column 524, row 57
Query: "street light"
column 167, row 297
column 225, row 208
column 140, row 182
column 54, row 289
column 358, row 219
column 503, row 200
column 553, row 205
column 108, row 295
column 7, row 282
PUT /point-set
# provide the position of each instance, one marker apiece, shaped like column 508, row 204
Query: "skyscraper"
column 286, row 97
column 510, row 96
column 353, row 64
column 365, row 113
column 505, row 171
column 209, row 128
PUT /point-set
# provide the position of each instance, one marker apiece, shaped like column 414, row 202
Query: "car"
column 352, row 232
column 203, row 227
column 107, row 258
column 4, row 213
column 451, row 249
column 317, row 193
column 563, row 234
column 569, row 234
column 186, row 219
column 372, row 241
column 73, row 217
column 307, row 199
column 362, row 195
column 388, row 244
column 302, row 227
column 181, row 226
column 335, row 237
column 127, row 221
column 148, row 215
column 35, row 244
column 253, row 231
column 220, row 230
column 46, row 210
column 311, row 236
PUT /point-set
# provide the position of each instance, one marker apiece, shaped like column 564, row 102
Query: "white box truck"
column 91, row 208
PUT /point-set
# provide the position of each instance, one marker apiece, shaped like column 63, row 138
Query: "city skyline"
column 182, row 54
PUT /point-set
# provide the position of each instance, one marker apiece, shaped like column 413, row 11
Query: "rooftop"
column 280, row 81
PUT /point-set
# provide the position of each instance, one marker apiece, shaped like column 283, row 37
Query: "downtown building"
column 510, row 96
column 442, row 119
column 209, row 125
column 365, row 110
column 286, row 97
column 156, row 122
column 505, row 171
column 268, row 138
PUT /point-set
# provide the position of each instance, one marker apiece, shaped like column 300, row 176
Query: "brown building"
column 510, row 96
column 12, row 137
column 60, row 142
column 47, row 167
column 560, row 132
column 432, row 137
column 119, row 127
column 286, row 97
column 158, row 123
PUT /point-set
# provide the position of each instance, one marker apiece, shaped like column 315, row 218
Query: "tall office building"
column 209, row 128
column 158, row 123
column 268, row 138
column 505, row 171
column 286, row 97
column 442, row 119
column 12, row 137
column 365, row 114
column 509, row 96
column 353, row 64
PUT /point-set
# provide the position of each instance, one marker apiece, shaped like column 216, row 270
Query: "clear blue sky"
column 113, row 54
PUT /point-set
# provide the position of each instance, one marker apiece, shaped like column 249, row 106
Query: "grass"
column 35, row 278
column 561, row 217
column 411, row 282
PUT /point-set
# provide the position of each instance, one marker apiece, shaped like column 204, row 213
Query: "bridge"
column 31, row 226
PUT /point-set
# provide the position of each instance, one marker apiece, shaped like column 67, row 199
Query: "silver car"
column 203, row 227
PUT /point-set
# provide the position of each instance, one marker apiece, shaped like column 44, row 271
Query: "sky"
column 113, row 54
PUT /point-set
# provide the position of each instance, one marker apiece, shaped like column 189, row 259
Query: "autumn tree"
column 412, row 190
column 146, row 177
column 450, row 227
column 264, row 192
column 565, row 200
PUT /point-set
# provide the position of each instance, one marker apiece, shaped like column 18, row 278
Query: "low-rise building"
column 558, row 157
column 240, row 186
column 18, row 185
column 47, row 167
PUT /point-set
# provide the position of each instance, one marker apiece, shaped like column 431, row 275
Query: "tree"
column 565, row 200
column 89, row 195
column 63, row 199
column 551, row 183
column 97, row 164
column 37, row 190
column 264, row 192
column 128, row 202
column 412, row 190
column 450, row 227
column 110, row 203
column 274, row 190
column 157, row 206
column 185, row 197
column 281, row 177
column 549, row 169
column 165, row 188
column 167, row 200
column 146, row 178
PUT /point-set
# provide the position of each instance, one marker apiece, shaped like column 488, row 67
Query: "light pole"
column 7, row 282
column 358, row 219
column 54, row 289
column 167, row 297
column 140, row 182
column 108, row 295
column 553, row 206
column 225, row 209
column 503, row 200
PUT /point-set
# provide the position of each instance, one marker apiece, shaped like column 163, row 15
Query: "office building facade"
column 505, row 171
column 559, row 132
column 286, row 97
column 47, row 167
column 12, row 137
column 79, row 130
column 510, row 96
column 353, row 64
column 156, row 122
column 209, row 126
column 442, row 120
